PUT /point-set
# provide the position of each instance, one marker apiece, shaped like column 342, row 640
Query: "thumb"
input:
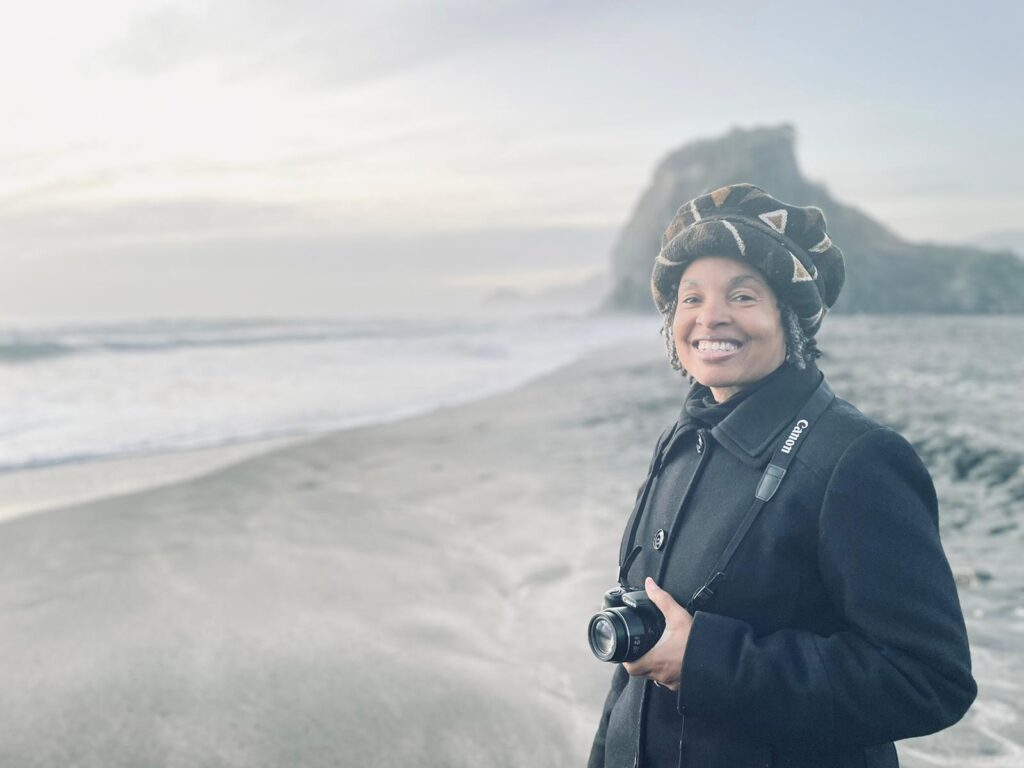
column 665, row 602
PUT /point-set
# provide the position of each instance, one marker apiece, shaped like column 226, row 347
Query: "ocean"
column 84, row 392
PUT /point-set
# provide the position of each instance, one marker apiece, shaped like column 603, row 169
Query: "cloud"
column 462, row 113
column 59, row 232
column 326, row 42
column 213, row 259
column 162, row 40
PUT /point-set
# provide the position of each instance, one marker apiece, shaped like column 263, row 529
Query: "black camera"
column 628, row 626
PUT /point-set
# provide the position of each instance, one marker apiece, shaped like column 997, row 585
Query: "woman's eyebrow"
column 733, row 282
column 745, row 279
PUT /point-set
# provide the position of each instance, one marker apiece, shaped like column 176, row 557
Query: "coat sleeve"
column 899, row 668
column 619, row 679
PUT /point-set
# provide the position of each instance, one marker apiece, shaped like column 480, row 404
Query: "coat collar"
column 751, row 429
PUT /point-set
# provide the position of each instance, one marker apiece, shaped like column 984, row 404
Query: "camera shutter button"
column 659, row 538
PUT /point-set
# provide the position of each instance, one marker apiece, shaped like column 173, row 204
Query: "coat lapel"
column 752, row 429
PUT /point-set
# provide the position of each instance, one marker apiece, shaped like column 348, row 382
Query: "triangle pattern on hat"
column 776, row 219
column 813, row 319
column 749, row 192
column 800, row 274
column 822, row 246
column 719, row 195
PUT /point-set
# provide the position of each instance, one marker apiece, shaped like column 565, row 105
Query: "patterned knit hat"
column 786, row 242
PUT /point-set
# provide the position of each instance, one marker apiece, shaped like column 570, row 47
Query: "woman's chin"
column 729, row 372
column 714, row 375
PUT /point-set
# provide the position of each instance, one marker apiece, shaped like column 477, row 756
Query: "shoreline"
column 41, row 489
column 288, row 607
column 35, row 490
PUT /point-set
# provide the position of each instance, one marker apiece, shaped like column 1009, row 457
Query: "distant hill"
column 1004, row 240
column 884, row 273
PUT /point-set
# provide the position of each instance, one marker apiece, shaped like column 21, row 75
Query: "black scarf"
column 703, row 410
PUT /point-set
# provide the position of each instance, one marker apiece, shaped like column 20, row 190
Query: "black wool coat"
column 837, row 629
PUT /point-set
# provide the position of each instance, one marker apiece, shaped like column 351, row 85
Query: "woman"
column 823, row 621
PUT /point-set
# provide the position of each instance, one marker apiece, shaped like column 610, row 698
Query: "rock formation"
column 884, row 273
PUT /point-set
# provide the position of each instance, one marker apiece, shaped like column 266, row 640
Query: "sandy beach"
column 414, row 593
column 408, row 594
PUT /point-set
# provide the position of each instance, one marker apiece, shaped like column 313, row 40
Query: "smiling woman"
column 807, row 615
column 727, row 328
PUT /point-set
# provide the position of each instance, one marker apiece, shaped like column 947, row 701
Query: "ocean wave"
column 147, row 448
column 17, row 352
column 30, row 345
column 267, row 379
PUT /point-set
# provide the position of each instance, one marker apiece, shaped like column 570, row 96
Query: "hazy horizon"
column 191, row 158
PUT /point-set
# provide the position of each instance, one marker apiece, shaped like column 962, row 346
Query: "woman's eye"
column 743, row 297
column 690, row 300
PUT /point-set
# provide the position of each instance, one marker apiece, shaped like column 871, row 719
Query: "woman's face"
column 727, row 327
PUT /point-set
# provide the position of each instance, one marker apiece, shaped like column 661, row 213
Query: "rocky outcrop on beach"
column 885, row 273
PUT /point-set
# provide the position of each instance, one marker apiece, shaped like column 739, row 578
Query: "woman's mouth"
column 716, row 349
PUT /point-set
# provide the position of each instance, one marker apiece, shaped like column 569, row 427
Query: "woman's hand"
column 664, row 662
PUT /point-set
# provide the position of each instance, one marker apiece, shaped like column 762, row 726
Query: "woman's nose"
column 713, row 313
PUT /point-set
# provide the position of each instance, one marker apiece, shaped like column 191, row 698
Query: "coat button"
column 700, row 442
column 659, row 538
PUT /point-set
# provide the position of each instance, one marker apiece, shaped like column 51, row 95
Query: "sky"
column 329, row 157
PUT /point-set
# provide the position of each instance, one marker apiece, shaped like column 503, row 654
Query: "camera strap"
column 770, row 481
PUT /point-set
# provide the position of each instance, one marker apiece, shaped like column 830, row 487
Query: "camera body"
column 628, row 625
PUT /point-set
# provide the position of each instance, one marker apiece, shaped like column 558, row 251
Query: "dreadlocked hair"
column 668, row 316
column 800, row 349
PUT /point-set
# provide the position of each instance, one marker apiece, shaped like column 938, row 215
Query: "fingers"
column 665, row 602
column 661, row 663
column 637, row 668
column 647, row 671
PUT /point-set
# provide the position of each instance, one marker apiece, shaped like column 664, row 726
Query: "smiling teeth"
column 717, row 346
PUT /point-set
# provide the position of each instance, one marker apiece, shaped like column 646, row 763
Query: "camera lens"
column 625, row 633
column 602, row 637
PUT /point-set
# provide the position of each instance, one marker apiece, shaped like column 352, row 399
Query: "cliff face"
column 883, row 272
